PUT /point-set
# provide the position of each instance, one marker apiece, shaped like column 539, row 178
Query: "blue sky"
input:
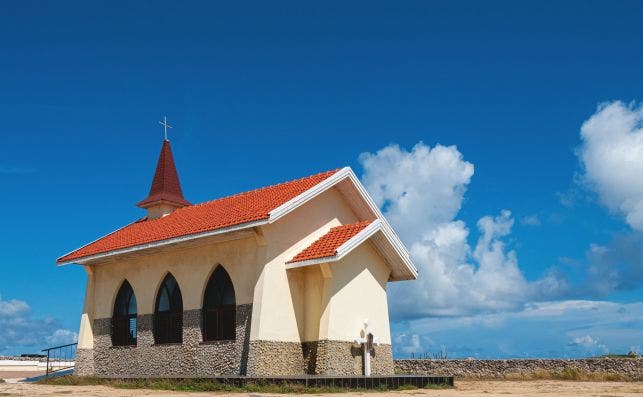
column 490, row 97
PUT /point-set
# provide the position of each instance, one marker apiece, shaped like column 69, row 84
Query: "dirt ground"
column 463, row 388
column 20, row 374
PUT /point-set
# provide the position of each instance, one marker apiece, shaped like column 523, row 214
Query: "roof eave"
column 172, row 201
column 404, row 271
column 278, row 213
column 342, row 174
column 160, row 243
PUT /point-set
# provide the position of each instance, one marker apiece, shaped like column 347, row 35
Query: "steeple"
column 165, row 194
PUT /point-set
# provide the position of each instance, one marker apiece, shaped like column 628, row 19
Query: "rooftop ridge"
column 351, row 225
column 263, row 188
column 237, row 209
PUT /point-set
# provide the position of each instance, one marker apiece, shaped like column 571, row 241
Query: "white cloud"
column 12, row 308
column 421, row 192
column 425, row 181
column 408, row 343
column 612, row 156
column 611, row 153
column 573, row 328
column 530, row 220
column 21, row 333
column 61, row 337
column 584, row 341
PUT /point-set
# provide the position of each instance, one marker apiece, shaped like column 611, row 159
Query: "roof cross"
column 165, row 126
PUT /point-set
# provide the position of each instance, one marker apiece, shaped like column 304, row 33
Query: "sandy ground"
column 463, row 388
column 20, row 374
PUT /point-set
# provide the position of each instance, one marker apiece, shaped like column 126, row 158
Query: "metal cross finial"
column 165, row 126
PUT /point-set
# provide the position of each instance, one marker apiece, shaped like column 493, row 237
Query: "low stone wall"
column 18, row 358
column 488, row 369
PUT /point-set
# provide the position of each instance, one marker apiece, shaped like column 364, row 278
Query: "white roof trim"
column 161, row 243
column 309, row 194
column 321, row 187
column 359, row 238
column 278, row 213
column 344, row 249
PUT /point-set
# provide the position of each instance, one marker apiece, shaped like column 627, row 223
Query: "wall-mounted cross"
column 368, row 343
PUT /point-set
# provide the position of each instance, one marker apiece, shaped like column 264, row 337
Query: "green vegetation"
column 1, row 380
column 203, row 385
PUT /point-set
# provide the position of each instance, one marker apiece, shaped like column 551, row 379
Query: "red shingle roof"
column 326, row 246
column 165, row 185
column 241, row 208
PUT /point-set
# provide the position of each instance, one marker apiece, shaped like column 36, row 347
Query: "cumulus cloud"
column 611, row 153
column 612, row 157
column 421, row 192
column 20, row 332
column 586, row 340
column 426, row 181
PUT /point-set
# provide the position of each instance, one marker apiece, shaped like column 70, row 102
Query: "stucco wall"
column 191, row 267
column 85, row 333
column 359, row 293
column 278, row 288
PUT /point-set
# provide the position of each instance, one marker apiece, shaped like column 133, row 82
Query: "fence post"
column 64, row 354
column 47, row 367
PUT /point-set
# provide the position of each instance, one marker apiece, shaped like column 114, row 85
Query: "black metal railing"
column 60, row 358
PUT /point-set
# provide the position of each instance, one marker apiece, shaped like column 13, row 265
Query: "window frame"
column 168, row 324
column 218, row 318
column 124, row 331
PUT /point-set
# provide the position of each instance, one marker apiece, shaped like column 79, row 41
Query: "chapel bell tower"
column 165, row 194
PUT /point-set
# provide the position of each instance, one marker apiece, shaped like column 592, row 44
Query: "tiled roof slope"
column 326, row 246
column 234, row 210
column 165, row 185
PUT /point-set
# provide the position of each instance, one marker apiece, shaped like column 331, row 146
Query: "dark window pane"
column 219, row 307
column 164, row 301
column 124, row 317
column 131, row 309
column 168, row 316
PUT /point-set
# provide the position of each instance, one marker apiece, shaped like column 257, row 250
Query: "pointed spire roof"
column 165, row 185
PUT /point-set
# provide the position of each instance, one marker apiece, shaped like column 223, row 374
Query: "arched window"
column 124, row 317
column 219, row 307
column 168, row 314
